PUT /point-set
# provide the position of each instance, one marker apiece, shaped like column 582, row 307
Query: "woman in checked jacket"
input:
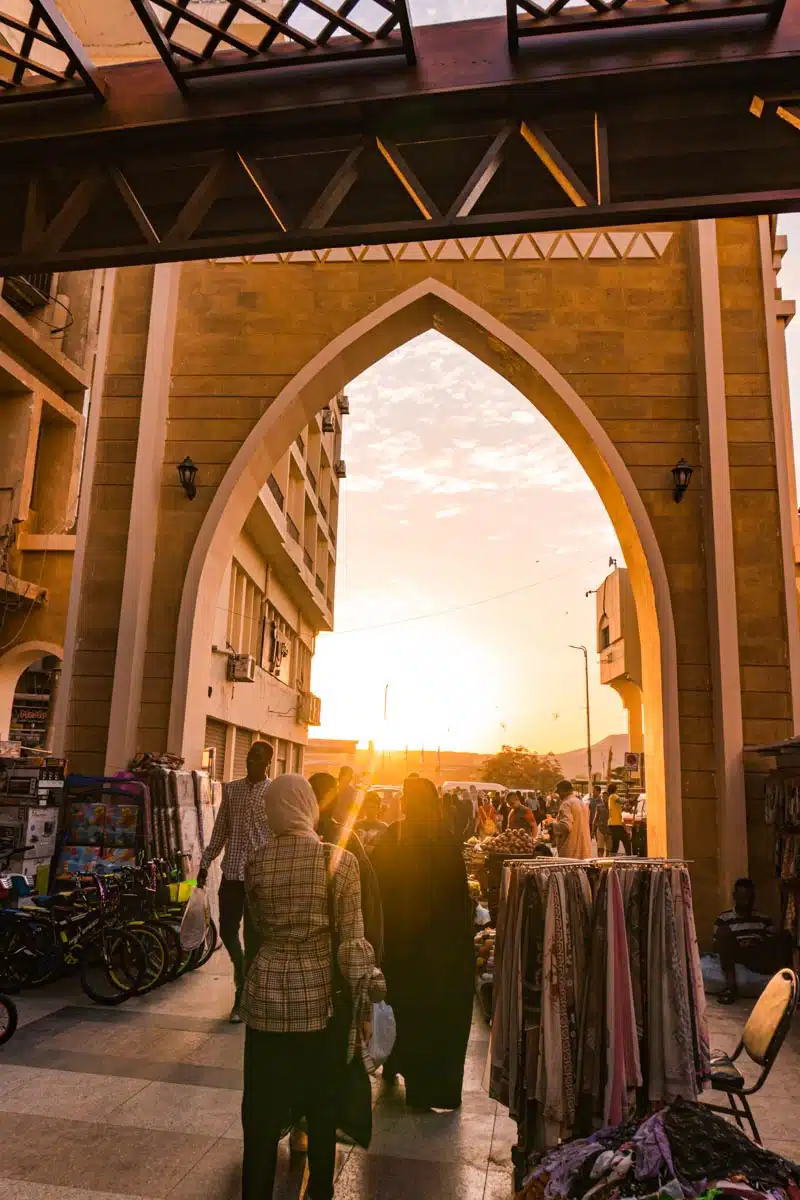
column 292, row 1058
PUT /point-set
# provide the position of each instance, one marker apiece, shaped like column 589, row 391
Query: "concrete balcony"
column 280, row 540
column 612, row 662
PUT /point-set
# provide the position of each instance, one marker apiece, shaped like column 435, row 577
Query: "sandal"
column 727, row 996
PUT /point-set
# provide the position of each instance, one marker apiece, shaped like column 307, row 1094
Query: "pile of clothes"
column 681, row 1151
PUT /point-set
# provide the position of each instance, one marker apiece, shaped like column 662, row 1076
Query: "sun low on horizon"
column 469, row 536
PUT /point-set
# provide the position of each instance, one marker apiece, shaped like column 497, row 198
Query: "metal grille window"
column 26, row 293
column 215, row 742
column 241, row 748
column 278, row 646
column 246, row 606
column 302, row 672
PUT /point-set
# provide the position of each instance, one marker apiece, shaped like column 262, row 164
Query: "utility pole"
column 588, row 718
column 385, row 701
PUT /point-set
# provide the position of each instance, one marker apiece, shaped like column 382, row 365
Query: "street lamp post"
column 588, row 717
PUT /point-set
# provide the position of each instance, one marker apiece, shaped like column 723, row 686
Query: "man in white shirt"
column 240, row 829
column 570, row 829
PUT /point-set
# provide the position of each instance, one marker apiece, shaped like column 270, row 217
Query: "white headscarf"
column 291, row 806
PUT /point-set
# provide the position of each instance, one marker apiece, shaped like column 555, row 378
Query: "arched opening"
column 433, row 305
column 27, row 715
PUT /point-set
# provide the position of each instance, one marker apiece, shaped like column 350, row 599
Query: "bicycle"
column 78, row 929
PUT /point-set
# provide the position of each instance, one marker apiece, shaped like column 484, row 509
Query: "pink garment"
column 624, row 1068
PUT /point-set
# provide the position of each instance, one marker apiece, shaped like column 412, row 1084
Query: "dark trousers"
column 232, row 907
column 640, row 840
column 287, row 1073
column 763, row 958
column 619, row 834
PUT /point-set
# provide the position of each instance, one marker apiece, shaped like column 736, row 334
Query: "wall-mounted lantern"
column 328, row 423
column 681, row 474
column 186, row 473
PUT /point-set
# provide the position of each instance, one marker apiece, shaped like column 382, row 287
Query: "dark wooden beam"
column 325, row 207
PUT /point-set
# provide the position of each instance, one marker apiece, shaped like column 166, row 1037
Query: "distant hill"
column 573, row 762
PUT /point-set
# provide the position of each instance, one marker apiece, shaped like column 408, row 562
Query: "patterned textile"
column 289, row 983
column 240, row 828
column 599, row 1002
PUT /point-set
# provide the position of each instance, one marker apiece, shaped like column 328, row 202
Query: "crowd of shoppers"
column 341, row 909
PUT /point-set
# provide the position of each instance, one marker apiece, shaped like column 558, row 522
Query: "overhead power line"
column 526, row 587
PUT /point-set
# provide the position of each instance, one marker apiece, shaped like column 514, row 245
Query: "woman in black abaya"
column 428, row 949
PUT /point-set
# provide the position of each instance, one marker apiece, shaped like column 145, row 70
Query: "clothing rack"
column 599, row 1009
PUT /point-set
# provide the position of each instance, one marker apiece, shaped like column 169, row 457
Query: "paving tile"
column 81, row 1097
column 181, row 1108
column 94, row 1157
column 217, row 1174
column 222, row 1049
column 11, row 1076
column 20, row 1190
column 23, row 1190
column 151, row 1044
column 499, row 1185
column 27, row 1141
column 382, row 1177
column 504, row 1136
column 445, row 1138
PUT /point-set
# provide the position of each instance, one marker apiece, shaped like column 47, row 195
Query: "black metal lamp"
column 328, row 423
column 186, row 473
column 681, row 474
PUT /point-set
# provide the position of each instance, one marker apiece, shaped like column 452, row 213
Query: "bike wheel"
column 156, row 954
column 172, row 936
column 8, row 1018
column 203, row 953
column 28, row 955
column 111, row 967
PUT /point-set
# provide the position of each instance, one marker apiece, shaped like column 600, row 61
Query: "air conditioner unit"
column 340, row 470
column 328, row 423
column 241, row 668
column 344, row 405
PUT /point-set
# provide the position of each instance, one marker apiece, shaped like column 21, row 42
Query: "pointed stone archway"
column 432, row 304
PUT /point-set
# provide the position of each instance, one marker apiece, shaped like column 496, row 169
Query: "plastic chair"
column 762, row 1038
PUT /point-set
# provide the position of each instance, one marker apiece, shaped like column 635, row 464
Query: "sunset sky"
column 457, row 491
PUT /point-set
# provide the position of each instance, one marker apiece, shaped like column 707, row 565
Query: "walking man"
column 348, row 802
column 615, row 824
column 240, row 829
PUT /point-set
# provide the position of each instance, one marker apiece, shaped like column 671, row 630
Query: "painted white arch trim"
column 432, row 304
column 12, row 664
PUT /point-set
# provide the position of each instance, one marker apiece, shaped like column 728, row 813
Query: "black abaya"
column 428, row 959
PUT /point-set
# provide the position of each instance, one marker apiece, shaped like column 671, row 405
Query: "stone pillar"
column 140, row 555
column 731, row 814
column 105, row 514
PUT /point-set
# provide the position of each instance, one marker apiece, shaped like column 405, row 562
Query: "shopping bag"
column 384, row 1033
column 195, row 920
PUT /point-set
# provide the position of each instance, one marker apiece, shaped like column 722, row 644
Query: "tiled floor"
column 142, row 1102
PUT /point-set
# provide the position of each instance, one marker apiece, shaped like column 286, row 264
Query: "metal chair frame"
column 745, row 1113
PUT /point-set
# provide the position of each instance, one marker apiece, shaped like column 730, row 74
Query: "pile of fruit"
column 513, row 841
column 484, row 952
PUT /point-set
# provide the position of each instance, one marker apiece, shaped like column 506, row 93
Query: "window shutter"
column 215, row 740
column 241, row 748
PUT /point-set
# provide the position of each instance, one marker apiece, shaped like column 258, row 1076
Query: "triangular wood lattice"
column 40, row 57
column 245, row 35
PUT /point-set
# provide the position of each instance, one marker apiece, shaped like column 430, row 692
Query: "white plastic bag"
column 195, row 920
column 384, row 1033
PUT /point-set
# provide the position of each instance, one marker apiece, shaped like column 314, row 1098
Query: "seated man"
column 742, row 935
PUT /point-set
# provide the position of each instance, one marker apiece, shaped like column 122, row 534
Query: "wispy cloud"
column 445, row 513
